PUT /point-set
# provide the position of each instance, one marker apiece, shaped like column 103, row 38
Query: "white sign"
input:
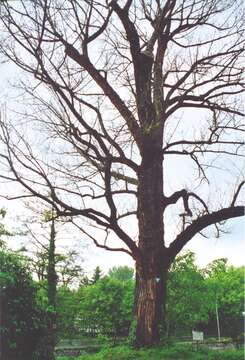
column 197, row 335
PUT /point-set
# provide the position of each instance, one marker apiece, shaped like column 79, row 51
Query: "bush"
column 67, row 308
column 20, row 322
column 106, row 306
column 176, row 352
column 226, row 355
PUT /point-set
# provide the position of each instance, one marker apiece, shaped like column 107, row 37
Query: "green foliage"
column 107, row 306
column 3, row 212
column 67, row 266
column 188, row 301
column 47, row 215
column 96, row 275
column 226, row 286
column 121, row 273
column 67, row 310
column 176, row 352
column 216, row 266
column 21, row 317
column 3, row 231
column 132, row 333
column 192, row 295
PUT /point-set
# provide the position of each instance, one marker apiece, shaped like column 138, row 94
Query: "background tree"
column 106, row 307
column 96, row 275
column 44, row 266
column 51, row 292
column 189, row 301
column 52, row 268
column 119, row 76
column 226, row 288
column 4, row 232
column 67, row 265
column 121, row 273
column 67, row 307
column 45, row 235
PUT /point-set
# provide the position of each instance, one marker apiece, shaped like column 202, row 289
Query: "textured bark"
column 151, row 267
column 149, row 305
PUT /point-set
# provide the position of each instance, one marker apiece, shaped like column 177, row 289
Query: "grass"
column 176, row 352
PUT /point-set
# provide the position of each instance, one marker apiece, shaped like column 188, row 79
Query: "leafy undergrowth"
column 177, row 352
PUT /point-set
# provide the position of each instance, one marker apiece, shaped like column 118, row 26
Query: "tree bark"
column 149, row 305
column 152, row 265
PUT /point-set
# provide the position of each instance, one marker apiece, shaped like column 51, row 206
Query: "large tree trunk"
column 152, row 265
column 149, row 304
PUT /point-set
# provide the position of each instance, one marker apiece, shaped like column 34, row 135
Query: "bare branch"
column 237, row 193
column 200, row 224
column 105, row 247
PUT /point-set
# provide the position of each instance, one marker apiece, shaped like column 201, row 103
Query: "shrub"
column 176, row 352
column 20, row 321
column 106, row 306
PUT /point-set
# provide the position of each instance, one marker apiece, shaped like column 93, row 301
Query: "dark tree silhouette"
column 120, row 75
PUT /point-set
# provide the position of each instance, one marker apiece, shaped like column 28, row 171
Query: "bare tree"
column 119, row 76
